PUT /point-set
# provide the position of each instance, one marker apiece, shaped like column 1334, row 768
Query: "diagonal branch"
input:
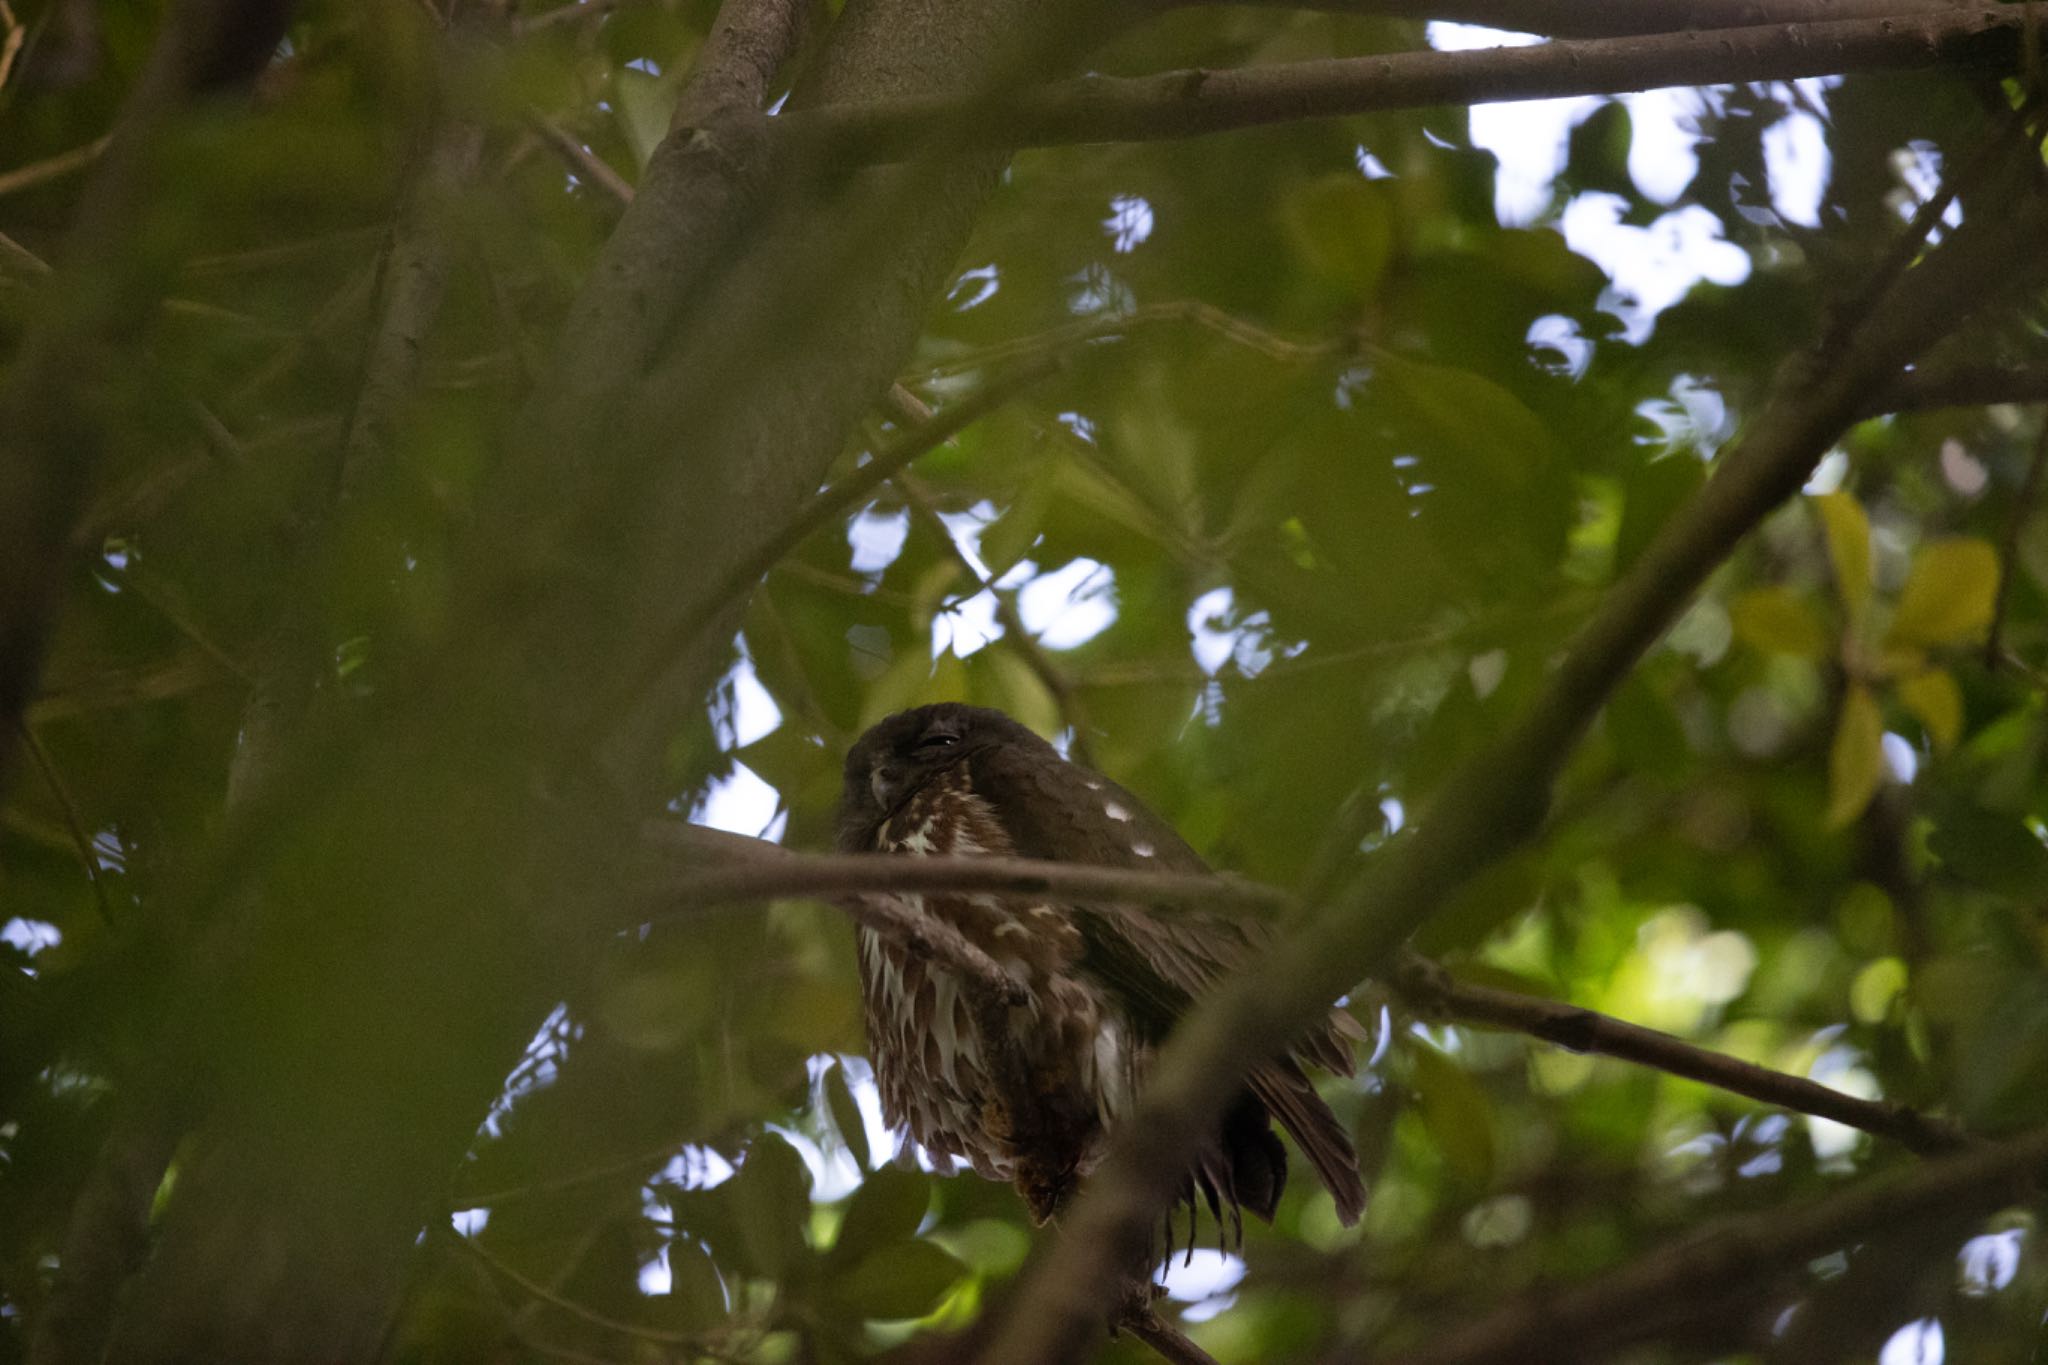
column 692, row 866
column 1190, row 103
column 1693, row 1276
column 703, row 179
column 1499, row 797
column 1431, row 989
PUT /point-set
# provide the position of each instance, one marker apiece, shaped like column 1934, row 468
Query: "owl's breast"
column 924, row 1027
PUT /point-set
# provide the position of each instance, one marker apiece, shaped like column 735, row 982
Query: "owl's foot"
column 1045, row 1192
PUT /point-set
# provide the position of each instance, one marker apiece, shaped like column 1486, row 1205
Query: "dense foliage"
column 1306, row 467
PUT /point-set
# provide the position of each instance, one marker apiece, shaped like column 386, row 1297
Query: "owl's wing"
column 1158, row 962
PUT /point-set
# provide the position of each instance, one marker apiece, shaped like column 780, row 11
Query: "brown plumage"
column 1103, row 982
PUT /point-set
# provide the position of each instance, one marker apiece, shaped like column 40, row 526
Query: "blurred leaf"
column 1494, row 895
column 1471, row 416
column 886, row 1208
column 1948, row 595
column 1455, row 1111
column 1875, row 987
column 1934, row 698
column 1989, row 849
column 1655, row 489
column 1343, row 226
column 1856, row 759
column 696, row 1295
column 771, row 1198
column 846, row 1117
column 1777, row 619
column 1644, row 729
column 1848, row 537
column 904, row 1279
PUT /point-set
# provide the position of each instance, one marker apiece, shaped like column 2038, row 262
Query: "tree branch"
column 1431, row 989
column 1190, row 103
column 1498, row 798
column 693, row 867
column 678, row 879
column 701, row 181
column 1960, row 386
column 1691, row 1277
column 1600, row 18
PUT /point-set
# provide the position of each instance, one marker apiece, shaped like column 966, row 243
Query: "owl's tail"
column 1289, row 1096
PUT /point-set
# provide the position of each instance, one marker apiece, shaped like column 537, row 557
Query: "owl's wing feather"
column 1158, row 963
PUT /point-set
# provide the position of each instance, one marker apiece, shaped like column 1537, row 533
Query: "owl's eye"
column 932, row 744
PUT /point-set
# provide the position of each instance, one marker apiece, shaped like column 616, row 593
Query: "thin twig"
column 581, row 159
column 72, row 819
column 1114, row 326
column 564, row 14
column 1431, row 989
column 678, row 882
column 10, row 46
column 53, row 167
column 466, row 1199
column 2009, row 546
column 1162, row 1336
column 172, row 612
column 21, row 257
column 570, row 1306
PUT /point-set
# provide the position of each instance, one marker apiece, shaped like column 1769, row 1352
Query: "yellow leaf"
column 1937, row 702
column 1778, row 620
column 1848, row 536
column 1856, row 761
column 1948, row 594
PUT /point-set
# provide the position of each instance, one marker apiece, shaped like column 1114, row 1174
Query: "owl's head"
column 900, row 754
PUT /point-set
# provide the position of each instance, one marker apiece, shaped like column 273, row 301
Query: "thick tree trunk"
column 431, row 887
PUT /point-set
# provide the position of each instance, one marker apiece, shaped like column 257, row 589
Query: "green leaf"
column 1848, row 537
column 1990, row 850
column 696, row 1295
column 1470, row 417
column 1948, row 595
column 1856, row 759
column 771, row 1195
column 1653, row 492
column 1343, row 226
column 1778, row 620
column 887, row 1207
column 904, row 1279
column 1875, row 987
column 846, row 1117
column 1936, row 701
column 1455, row 1111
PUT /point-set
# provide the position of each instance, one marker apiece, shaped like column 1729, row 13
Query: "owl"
column 1027, row 1089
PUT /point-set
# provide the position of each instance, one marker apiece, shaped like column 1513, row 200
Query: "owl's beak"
column 885, row 782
